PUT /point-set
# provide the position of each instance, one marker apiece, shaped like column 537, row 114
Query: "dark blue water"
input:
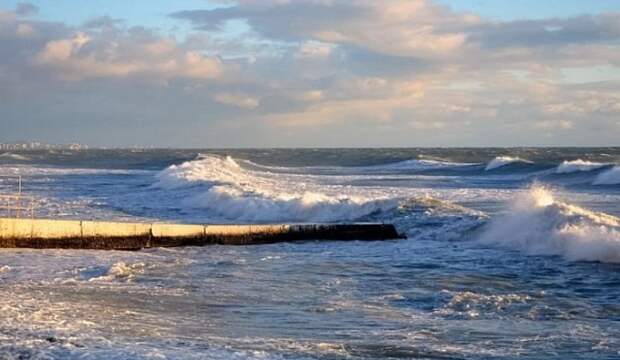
column 510, row 253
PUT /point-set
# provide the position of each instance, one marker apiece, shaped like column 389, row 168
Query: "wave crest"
column 229, row 191
column 609, row 177
column 568, row 167
column 225, row 189
column 501, row 161
column 539, row 225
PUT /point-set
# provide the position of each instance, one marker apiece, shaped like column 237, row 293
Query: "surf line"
column 107, row 235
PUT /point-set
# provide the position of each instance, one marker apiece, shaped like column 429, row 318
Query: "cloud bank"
column 313, row 73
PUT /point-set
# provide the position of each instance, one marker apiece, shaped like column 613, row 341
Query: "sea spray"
column 538, row 224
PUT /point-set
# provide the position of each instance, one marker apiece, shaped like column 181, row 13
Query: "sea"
column 510, row 253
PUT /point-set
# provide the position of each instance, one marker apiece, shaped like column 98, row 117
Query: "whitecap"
column 501, row 161
column 538, row 224
column 567, row 167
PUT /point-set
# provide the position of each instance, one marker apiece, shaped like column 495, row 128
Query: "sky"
column 311, row 73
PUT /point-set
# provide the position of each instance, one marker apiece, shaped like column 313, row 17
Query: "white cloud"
column 414, row 68
column 81, row 56
column 396, row 27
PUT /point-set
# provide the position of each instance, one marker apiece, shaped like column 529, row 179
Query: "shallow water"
column 493, row 267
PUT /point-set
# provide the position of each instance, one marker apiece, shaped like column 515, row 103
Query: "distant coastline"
column 35, row 145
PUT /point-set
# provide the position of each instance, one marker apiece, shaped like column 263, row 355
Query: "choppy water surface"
column 511, row 253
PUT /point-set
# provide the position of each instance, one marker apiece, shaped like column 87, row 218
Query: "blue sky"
column 533, row 9
column 311, row 73
column 153, row 13
column 148, row 13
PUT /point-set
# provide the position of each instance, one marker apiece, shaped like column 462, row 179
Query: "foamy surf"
column 538, row 224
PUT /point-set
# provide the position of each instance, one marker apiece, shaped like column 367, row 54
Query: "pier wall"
column 78, row 234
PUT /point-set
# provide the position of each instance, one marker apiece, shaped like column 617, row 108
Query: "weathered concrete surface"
column 76, row 234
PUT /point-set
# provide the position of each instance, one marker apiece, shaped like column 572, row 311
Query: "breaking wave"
column 567, row 167
column 609, row 177
column 547, row 170
column 225, row 189
column 501, row 161
column 538, row 224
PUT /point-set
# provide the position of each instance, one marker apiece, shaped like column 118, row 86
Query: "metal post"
column 18, row 202
column 15, row 203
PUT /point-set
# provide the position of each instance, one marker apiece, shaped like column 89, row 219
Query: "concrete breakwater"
column 78, row 234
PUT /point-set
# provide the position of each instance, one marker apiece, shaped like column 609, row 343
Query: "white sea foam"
column 475, row 305
column 609, row 177
column 500, row 161
column 538, row 224
column 121, row 270
column 227, row 190
column 567, row 167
